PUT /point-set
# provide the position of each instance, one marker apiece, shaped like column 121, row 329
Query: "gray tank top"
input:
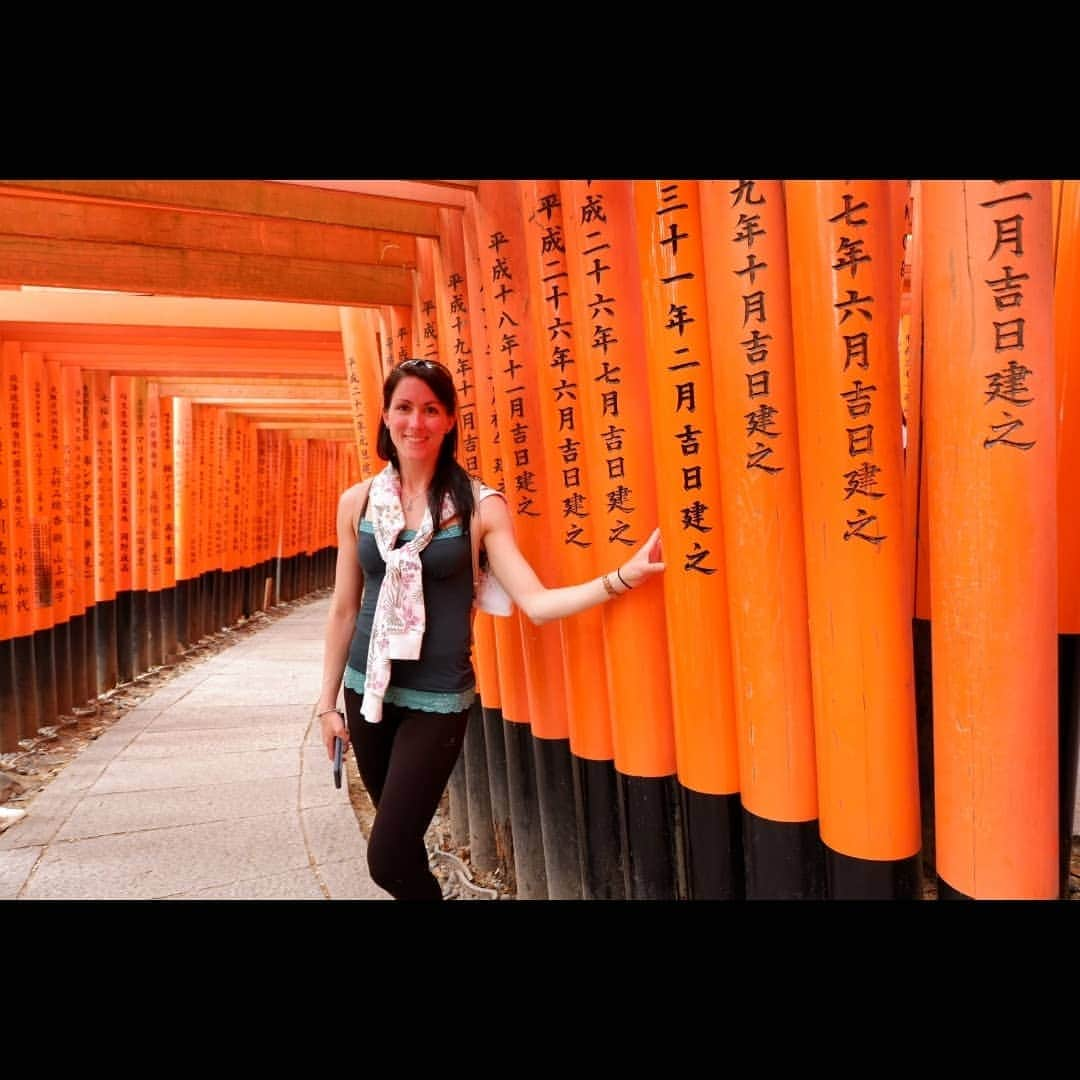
column 445, row 664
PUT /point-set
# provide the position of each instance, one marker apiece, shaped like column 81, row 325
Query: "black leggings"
column 405, row 761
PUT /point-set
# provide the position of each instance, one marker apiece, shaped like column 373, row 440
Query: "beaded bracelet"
column 608, row 587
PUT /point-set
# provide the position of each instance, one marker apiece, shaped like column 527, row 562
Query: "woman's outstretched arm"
column 542, row 604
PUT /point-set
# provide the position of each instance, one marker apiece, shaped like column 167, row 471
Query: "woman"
column 400, row 623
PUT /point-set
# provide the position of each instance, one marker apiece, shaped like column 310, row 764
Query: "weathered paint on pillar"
column 844, row 312
column 991, row 438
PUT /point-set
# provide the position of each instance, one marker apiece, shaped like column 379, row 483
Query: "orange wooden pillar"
column 185, row 542
column 362, row 366
column 120, row 388
column 169, row 601
column 501, row 637
column 154, row 540
column 60, row 544
column 991, row 451
column 671, row 265
column 101, row 420
column 223, row 504
column 140, row 531
column 203, row 518
column 917, row 532
column 386, row 342
column 18, row 590
column 401, row 320
column 576, row 532
column 78, row 515
column 614, row 429
column 497, row 649
column 1067, row 402
column 425, row 323
column 485, row 832
column 265, row 505
column 279, row 491
column 159, row 469
column 250, row 494
column 36, row 451
column 844, row 300
column 515, row 355
column 9, row 706
column 746, row 270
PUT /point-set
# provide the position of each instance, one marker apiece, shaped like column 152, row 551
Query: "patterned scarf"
column 397, row 631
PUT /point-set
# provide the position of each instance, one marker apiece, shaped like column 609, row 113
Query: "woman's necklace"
column 408, row 503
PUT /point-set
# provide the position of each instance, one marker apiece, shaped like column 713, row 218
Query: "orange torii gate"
column 162, row 480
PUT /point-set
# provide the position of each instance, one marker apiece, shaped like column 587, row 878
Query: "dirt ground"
column 27, row 771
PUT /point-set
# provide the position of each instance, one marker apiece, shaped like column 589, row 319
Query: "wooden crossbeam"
column 258, row 198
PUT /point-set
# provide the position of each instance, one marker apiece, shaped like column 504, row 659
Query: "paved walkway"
column 215, row 787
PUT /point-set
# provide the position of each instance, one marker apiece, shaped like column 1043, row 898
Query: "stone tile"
column 183, row 717
column 295, row 885
column 349, row 880
column 231, row 690
column 148, row 774
column 206, row 742
column 333, row 833
column 15, row 867
column 317, row 780
column 43, row 820
column 164, row 862
column 131, row 811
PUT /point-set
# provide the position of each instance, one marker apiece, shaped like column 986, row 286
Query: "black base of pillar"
column 16, row 682
column 529, row 870
column 25, row 681
column 125, row 639
column 65, row 695
column 140, row 631
column 170, row 638
column 481, row 834
column 602, row 861
column 106, row 661
column 649, row 817
column 558, row 818
column 924, row 722
column 848, row 878
column 713, row 845
column 785, row 860
column 1068, row 738
column 80, row 683
column 45, row 662
column 459, row 805
column 154, row 651
column 495, row 752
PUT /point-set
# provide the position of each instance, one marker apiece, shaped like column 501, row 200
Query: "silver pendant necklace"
column 412, row 499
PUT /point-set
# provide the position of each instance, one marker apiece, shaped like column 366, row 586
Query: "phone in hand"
column 339, row 750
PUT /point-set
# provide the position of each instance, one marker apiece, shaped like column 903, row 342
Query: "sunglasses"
column 413, row 365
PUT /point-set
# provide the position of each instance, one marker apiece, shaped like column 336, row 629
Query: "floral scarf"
column 397, row 630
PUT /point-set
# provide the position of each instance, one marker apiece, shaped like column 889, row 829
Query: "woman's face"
column 417, row 421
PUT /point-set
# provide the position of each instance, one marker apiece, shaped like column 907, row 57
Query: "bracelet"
column 320, row 715
column 623, row 580
column 608, row 587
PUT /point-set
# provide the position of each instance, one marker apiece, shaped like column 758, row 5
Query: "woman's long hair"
column 449, row 475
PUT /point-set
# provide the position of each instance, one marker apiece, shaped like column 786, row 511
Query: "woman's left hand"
column 644, row 563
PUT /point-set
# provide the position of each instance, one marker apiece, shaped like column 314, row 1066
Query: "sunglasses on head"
column 407, row 365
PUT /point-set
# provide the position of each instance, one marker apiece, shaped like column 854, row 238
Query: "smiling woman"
column 399, row 631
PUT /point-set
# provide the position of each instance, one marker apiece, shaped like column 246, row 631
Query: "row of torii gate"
column 851, row 406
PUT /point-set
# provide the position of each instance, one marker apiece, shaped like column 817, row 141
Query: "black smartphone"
column 339, row 749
